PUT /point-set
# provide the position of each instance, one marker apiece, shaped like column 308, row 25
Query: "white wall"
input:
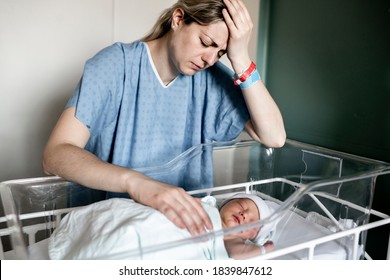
column 43, row 47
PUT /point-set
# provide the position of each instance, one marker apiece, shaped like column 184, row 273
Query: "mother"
column 140, row 104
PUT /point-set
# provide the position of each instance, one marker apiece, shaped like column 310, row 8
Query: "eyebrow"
column 213, row 43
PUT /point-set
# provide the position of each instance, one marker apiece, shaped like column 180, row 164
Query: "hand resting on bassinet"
column 123, row 229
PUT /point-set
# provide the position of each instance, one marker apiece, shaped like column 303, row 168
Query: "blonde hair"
column 203, row 12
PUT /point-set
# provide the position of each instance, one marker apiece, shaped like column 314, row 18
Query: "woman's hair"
column 203, row 12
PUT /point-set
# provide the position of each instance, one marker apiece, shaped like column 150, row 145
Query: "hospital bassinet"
column 322, row 198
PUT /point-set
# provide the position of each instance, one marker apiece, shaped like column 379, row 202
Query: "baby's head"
column 246, row 208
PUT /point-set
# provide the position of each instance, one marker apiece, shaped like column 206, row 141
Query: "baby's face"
column 240, row 211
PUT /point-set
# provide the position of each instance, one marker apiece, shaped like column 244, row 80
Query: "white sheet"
column 293, row 229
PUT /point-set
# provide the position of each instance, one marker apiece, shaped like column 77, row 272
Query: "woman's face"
column 240, row 211
column 195, row 47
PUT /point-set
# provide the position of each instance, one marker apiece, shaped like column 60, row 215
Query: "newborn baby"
column 120, row 228
column 242, row 209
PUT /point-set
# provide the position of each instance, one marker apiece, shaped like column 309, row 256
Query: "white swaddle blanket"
column 116, row 228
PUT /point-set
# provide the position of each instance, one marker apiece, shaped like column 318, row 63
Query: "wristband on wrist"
column 238, row 79
column 251, row 80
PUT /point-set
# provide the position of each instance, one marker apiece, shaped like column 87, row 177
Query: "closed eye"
column 203, row 43
column 206, row 45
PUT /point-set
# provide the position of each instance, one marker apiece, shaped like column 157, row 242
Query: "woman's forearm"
column 266, row 122
column 78, row 165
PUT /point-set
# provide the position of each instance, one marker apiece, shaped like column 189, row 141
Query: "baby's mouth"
column 237, row 219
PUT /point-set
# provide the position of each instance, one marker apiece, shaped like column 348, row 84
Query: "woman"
column 140, row 104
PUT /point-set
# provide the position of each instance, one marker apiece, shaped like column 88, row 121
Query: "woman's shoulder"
column 135, row 46
column 121, row 49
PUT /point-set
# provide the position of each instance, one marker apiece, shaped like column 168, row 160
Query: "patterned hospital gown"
column 136, row 121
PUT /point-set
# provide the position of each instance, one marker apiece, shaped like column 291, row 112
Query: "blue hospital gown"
column 135, row 121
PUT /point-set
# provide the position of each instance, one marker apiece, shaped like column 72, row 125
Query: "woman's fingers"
column 192, row 213
column 178, row 206
column 185, row 211
column 245, row 11
column 240, row 27
column 238, row 14
column 231, row 17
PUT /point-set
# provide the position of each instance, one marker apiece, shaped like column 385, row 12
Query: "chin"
column 189, row 72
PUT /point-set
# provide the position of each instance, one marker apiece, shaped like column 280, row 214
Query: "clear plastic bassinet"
column 322, row 199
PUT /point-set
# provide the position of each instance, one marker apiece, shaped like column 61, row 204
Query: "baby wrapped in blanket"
column 120, row 228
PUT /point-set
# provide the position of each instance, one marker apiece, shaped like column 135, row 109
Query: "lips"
column 196, row 67
column 237, row 219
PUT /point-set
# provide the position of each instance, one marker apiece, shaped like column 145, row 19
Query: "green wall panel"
column 327, row 64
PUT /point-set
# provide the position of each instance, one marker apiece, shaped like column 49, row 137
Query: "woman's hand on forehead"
column 240, row 27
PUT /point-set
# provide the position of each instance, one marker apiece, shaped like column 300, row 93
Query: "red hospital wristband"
column 245, row 75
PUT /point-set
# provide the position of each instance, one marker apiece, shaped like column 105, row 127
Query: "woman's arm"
column 65, row 156
column 266, row 122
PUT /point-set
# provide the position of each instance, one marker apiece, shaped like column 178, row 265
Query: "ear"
column 177, row 18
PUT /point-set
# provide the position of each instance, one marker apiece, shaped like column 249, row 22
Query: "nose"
column 210, row 57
